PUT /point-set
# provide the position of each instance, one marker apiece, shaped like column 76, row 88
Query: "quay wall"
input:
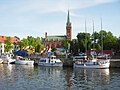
column 115, row 63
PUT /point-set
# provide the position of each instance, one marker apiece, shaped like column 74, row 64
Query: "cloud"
column 33, row 15
column 48, row 6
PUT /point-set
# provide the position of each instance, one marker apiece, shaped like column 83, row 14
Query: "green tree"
column 38, row 48
column 17, row 37
column 83, row 41
column 74, row 46
column 96, row 41
column 23, row 43
column 38, row 45
column 53, row 49
column 31, row 41
column 117, row 46
column 8, row 44
column 66, row 44
column 109, row 41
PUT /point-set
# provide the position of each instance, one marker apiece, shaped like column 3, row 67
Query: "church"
column 57, row 40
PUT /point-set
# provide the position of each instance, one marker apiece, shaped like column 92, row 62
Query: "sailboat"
column 84, row 62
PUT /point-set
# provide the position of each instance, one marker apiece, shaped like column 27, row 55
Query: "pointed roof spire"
column 68, row 18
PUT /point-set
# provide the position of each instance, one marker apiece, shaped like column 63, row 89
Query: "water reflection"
column 25, row 77
column 91, row 78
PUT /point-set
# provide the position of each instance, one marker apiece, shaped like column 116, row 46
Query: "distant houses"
column 14, row 42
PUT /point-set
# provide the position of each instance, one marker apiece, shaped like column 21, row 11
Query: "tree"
column 53, row 49
column 32, row 42
column 23, row 43
column 8, row 44
column 109, row 41
column 38, row 48
column 117, row 46
column 74, row 47
column 17, row 37
column 84, row 41
column 66, row 44
column 38, row 45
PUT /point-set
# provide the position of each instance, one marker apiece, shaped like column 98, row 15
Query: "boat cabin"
column 51, row 59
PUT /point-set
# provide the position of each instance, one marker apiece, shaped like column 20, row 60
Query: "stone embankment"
column 115, row 63
column 68, row 62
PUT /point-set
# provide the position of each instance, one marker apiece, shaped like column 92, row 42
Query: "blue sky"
column 24, row 18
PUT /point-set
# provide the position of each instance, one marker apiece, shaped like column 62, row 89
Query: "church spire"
column 68, row 19
column 68, row 28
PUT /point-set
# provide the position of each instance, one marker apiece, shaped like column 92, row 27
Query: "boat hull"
column 24, row 62
column 51, row 64
column 103, row 66
column 11, row 61
column 1, row 61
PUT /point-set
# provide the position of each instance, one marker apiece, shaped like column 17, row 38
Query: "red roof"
column 13, row 39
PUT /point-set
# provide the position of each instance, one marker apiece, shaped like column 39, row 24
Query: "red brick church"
column 57, row 40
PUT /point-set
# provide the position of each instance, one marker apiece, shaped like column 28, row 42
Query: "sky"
column 24, row 18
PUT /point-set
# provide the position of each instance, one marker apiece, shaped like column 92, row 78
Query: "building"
column 68, row 28
column 14, row 42
column 57, row 40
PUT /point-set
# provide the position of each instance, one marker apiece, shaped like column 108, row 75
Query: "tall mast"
column 85, row 38
column 93, row 37
column 101, row 36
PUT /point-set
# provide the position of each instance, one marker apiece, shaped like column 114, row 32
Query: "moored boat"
column 83, row 62
column 1, row 61
column 50, row 61
column 7, row 59
column 23, row 61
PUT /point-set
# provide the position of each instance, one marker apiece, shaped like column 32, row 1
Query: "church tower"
column 68, row 28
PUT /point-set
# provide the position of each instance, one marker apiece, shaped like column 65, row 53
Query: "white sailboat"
column 83, row 62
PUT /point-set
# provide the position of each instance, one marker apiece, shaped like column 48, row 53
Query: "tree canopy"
column 85, row 41
column 31, row 41
column 8, row 44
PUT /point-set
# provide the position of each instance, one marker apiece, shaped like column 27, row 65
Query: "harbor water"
column 27, row 77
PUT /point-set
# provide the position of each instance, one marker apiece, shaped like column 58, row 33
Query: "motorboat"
column 24, row 61
column 50, row 61
column 1, row 61
column 7, row 59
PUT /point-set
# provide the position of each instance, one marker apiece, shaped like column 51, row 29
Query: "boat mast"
column 93, row 37
column 101, row 36
column 85, row 38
